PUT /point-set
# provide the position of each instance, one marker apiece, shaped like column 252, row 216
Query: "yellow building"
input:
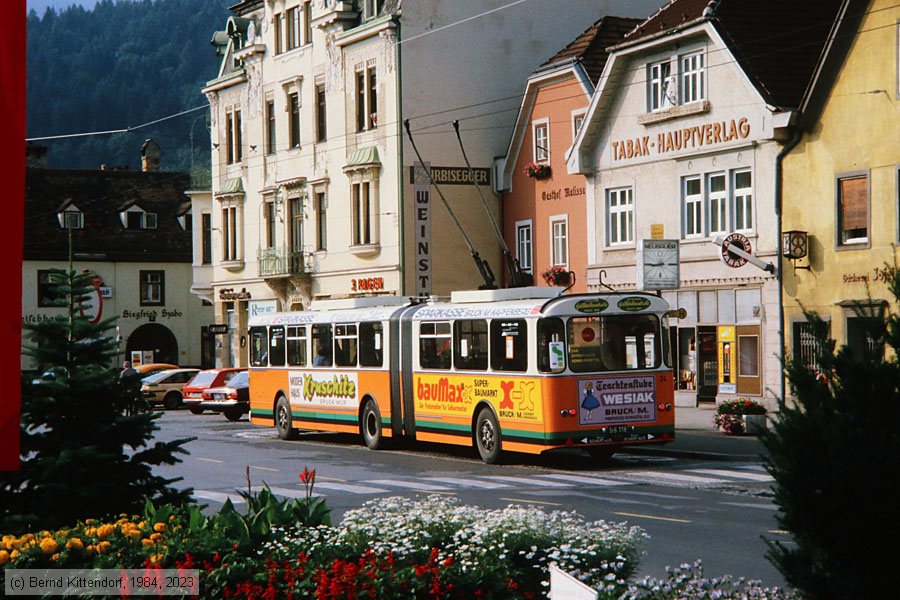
column 841, row 182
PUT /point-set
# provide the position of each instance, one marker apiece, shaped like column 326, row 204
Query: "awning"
column 232, row 186
column 363, row 157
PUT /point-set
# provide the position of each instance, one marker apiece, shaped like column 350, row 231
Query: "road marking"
column 264, row 469
column 779, row 532
column 217, row 496
column 530, row 501
column 676, row 477
column 751, row 505
column 625, row 514
column 331, row 479
column 735, row 474
column 486, row 485
column 526, row 480
column 599, row 481
column 352, row 489
column 413, row 485
column 289, row 493
column 212, row 460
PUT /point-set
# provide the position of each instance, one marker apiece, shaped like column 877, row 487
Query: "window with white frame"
column 577, row 122
column 306, row 22
column 692, row 207
column 372, row 8
column 362, row 201
column 278, row 31
column 524, row 244
column 541, row 136
column 742, row 192
column 71, row 218
column 292, row 22
column 294, row 119
column 137, row 218
column 717, row 203
column 233, row 141
column 232, row 215
column 559, row 241
column 692, row 77
column 853, row 209
column 619, row 216
column 660, row 90
column 366, row 97
column 153, row 288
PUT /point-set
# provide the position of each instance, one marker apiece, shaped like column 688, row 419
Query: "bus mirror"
column 677, row 313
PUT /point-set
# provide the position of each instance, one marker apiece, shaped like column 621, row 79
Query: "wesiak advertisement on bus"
column 324, row 389
column 454, row 395
column 617, row 400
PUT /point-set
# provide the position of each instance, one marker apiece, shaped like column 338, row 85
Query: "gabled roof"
column 777, row 43
column 100, row 196
column 590, row 47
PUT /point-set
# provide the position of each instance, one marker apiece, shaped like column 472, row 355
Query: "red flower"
column 308, row 476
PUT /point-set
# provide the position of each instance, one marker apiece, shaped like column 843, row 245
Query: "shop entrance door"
column 708, row 364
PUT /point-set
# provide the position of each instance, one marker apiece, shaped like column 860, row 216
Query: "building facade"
column 543, row 204
column 679, row 148
column 117, row 220
column 314, row 189
column 842, row 183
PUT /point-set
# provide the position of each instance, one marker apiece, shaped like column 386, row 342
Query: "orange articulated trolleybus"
column 523, row 370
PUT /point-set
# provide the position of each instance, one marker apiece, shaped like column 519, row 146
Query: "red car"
column 192, row 392
column 232, row 400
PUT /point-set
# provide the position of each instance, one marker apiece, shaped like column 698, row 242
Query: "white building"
column 313, row 192
column 681, row 142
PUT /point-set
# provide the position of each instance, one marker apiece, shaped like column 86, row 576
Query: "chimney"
column 149, row 156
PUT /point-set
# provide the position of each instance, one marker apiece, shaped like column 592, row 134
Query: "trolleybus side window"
column 509, row 345
column 276, row 346
column 434, row 345
column 551, row 350
column 296, row 346
column 259, row 347
column 321, row 337
column 371, row 344
column 470, row 345
column 613, row 343
column 345, row 345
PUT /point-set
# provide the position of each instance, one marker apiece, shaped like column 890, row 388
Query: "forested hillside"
column 121, row 65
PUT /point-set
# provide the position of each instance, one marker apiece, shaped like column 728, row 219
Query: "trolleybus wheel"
column 371, row 426
column 487, row 436
column 283, row 419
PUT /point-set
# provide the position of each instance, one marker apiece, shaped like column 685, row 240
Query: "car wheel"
column 487, row 436
column 283, row 419
column 234, row 415
column 370, row 423
column 172, row 401
column 196, row 410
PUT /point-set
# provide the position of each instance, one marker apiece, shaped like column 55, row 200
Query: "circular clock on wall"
column 660, row 265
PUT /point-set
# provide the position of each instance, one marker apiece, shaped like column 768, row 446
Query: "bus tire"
column 283, row 419
column 370, row 425
column 172, row 401
column 488, row 441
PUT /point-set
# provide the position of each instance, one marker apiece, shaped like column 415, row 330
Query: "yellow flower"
column 156, row 537
column 75, row 544
column 27, row 537
column 103, row 547
column 145, row 542
column 90, row 531
column 55, row 556
column 104, row 531
column 159, row 527
column 141, row 524
column 4, row 557
column 14, row 554
column 49, row 545
column 91, row 548
column 157, row 559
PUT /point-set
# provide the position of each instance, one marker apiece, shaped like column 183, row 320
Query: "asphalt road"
column 692, row 507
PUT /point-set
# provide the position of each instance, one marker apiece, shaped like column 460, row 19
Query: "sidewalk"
column 697, row 437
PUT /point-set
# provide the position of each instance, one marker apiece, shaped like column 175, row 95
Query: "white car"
column 165, row 387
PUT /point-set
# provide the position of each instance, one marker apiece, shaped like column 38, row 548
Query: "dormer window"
column 186, row 221
column 138, row 218
column 71, row 218
column 676, row 80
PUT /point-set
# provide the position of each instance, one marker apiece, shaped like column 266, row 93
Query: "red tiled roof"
column 590, row 47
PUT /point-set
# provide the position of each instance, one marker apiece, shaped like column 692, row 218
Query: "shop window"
column 296, row 346
column 687, row 358
column 471, row 345
column 509, row 345
column 853, row 210
column 434, row 345
column 726, row 306
column 551, row 351
column 322, row 347
column 345, row 345
column 709, row 311
column 259, row 347
column 153, row 288
column 277, row 346
column 748, row 356
column 371, row 344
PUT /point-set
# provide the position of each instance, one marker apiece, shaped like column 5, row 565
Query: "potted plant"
column 537, row 170
column 556, row 275
column 741, row 415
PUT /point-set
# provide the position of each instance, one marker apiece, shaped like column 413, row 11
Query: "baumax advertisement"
column 458, row 395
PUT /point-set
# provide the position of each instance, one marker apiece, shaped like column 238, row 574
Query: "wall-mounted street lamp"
column 794, row 246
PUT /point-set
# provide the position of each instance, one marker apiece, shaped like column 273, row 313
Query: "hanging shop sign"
column 230, row 294
column 455, row 175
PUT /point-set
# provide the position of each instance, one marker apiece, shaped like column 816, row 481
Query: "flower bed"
column 730, row 414
column 687, row 581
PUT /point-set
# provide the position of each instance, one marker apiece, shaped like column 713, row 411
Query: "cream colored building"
column 313, row 192
column 680, row 143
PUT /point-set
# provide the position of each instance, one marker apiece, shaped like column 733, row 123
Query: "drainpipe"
column 400, row 194
column 779, row 174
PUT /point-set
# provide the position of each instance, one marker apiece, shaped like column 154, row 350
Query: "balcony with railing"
column 281, row 261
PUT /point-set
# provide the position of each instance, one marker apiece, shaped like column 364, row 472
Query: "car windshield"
column 203, row 379
column 156, row 377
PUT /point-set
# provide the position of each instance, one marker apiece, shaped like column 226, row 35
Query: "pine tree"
column 82, row 456
column 835, row 454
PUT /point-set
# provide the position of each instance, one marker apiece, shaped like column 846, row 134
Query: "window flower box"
column 537, row 170
column 556, row 275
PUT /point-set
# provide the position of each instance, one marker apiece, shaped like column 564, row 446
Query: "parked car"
column 233, row 400
column 193, row 391
column 165, row 387
column 151, row 368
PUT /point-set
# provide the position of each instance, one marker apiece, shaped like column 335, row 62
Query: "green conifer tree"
column 82, row 456
column 835, row 454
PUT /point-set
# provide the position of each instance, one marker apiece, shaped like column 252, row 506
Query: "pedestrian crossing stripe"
column 736, row 474
column 585, row 479
column 475, row 483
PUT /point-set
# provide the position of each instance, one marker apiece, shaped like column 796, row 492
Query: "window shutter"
column 854, row 203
